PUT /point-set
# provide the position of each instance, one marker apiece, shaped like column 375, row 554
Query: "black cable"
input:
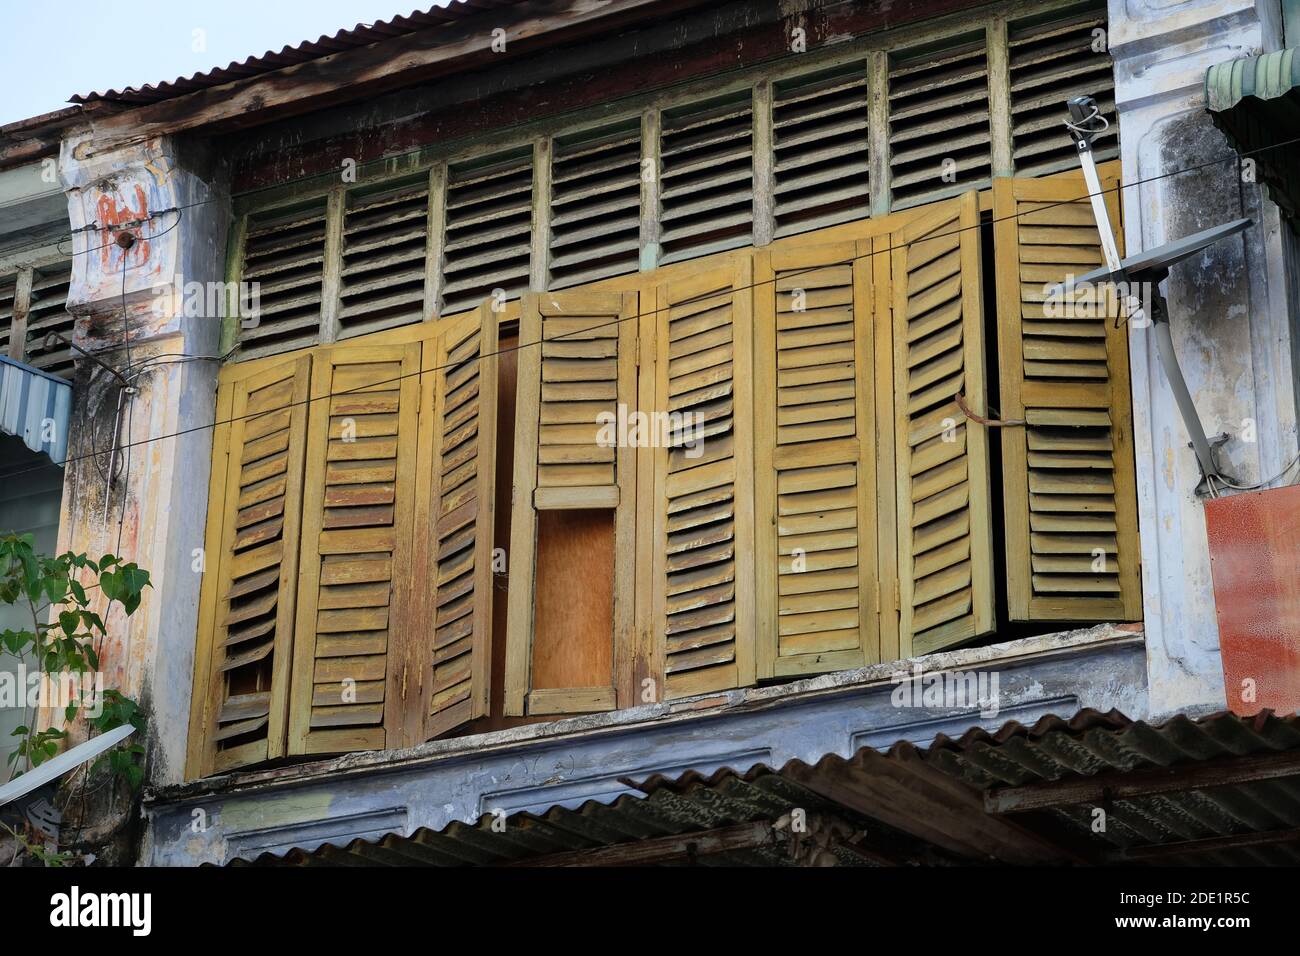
column 1235, row 156
column 421, row 371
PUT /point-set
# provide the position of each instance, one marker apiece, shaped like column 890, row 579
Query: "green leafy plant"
column 51, row 590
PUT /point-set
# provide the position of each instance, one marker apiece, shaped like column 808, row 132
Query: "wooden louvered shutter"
column 945, row 552
column 1071, row 505
column 356, row 542
column 815, row 454
column 703, row 548
column 458, row 530
column 583, row 374
column 241, row 689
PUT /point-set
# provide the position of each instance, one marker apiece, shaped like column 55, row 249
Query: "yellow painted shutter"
column 462, row 472
column 703, row 547
column 945, row 552
column 815, row 460
column 356, row 543
column 1071, row 507
column 241, row 689
column 582, row 375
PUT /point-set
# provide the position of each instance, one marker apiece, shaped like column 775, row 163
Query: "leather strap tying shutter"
column 704, row 511
column 241, row 685
column 583, row 374
column 356, row 541
column 463, row 458
column 944, row 528
column 1071, row 505
column 815, row 449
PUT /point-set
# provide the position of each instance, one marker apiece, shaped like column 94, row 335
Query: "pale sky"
column 51, row 49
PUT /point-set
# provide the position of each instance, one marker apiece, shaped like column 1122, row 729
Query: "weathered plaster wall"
column 572, row 761
column 156, row 505
column 1231, row 326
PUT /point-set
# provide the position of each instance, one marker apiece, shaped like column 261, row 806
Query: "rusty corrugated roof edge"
column 358, row 36
column 1214, row 735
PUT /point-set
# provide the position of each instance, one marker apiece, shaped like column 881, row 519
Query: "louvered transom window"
column 595, row 205
column 284, row 253
column 707, row 177
column 489, row 228
column 382, row 280
column 1051, row 62
column 8, row 289
column 48, row 312
column 939, row 136
column 820, row 139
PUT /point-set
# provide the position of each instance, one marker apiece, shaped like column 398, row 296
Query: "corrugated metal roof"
column 360, row 35
column 34, row 404
column 1265, row 77
column 1255, row 101
column 912, row 805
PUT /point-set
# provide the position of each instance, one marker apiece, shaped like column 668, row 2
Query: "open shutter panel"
column 571, row 391
column 704, row 510
column 464, row 474
column 944, row 527
column 356, row 531
column 1071, row 507
column 246, row 629
column 815, row 477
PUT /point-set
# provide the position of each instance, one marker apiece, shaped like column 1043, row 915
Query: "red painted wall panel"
column 1255, row 560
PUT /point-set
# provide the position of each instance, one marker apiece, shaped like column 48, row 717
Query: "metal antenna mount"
column 1145, row 270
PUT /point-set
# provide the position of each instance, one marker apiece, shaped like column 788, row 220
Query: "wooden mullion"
column 762, row 151
column 435, row 241
column 650, row 174
column 233, row 321
column 22, row 305
column 886, row 452
column 999, row 74
column 540, row 266
column 523, row 516
column 766, row 546
column 878, row 131
column 331, row 282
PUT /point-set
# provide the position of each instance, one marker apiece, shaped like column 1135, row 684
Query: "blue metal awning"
column 34, row 406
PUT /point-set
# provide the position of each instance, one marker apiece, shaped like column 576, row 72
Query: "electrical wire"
column 1259, row 484
column 521, row 345
column 388, row 159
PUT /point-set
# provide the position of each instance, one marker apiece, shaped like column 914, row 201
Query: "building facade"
column 528, row 403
